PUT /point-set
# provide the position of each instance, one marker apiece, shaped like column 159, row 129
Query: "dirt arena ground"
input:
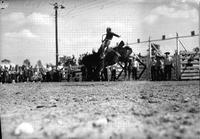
column 102, row 110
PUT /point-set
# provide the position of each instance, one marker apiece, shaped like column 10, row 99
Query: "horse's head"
column 119, row 46
column 125, row 51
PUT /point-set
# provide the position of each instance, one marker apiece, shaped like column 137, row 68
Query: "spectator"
column 159, row 68
column 130, row 67
column 153, row 69
column 113, row 72
column 133, row 68
column 167, row 66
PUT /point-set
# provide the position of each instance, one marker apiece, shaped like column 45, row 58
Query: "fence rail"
column 189, row 69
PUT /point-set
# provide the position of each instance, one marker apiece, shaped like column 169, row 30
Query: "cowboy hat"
column 167, row 53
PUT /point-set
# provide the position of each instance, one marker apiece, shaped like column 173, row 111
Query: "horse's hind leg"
column 125, row 71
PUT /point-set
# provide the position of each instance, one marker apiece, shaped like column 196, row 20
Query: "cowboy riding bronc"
column 106, row 42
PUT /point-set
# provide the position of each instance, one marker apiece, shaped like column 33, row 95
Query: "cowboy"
column 162, row 71
column 167, row 66
column 153, row 68
column 113, row 70
column 159, row 68
column 106, row 42
column 130, row 67
column 133, row 68
column 1, row 73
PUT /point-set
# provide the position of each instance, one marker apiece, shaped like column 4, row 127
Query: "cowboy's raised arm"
column 115, row 35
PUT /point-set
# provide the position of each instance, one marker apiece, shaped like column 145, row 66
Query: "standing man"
column 167, row 66
column 153, row 68
column 130, row 67
column 135, row 68
column 113, row 72
column 162, row 68
column 1, row 73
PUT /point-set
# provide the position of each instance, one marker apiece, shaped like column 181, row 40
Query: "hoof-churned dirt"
column 101, row 110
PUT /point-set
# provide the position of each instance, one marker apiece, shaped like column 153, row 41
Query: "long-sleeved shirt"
column 110, row 35
column 153, row 62
column 135, row 64
column 168, row 61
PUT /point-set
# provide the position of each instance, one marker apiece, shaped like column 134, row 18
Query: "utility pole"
column 3, row 6
column 56, row 32
column 56, row 7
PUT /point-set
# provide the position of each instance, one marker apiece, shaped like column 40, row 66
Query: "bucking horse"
column 95, row 64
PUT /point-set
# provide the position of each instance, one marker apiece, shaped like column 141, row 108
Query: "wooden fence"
column 189, row 66
column 183, row 69
column 144, row 75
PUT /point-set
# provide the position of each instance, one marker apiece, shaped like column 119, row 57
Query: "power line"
column 84, row 10
column 82, row 7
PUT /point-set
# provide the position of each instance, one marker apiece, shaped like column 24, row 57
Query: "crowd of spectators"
column 161, row 67
column 160, row 70
column 29, row 74
column 11, row 73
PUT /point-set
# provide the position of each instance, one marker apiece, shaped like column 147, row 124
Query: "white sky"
column 27, row 26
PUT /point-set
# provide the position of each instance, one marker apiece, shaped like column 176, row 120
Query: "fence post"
column 149, row 59
column 178, row 68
